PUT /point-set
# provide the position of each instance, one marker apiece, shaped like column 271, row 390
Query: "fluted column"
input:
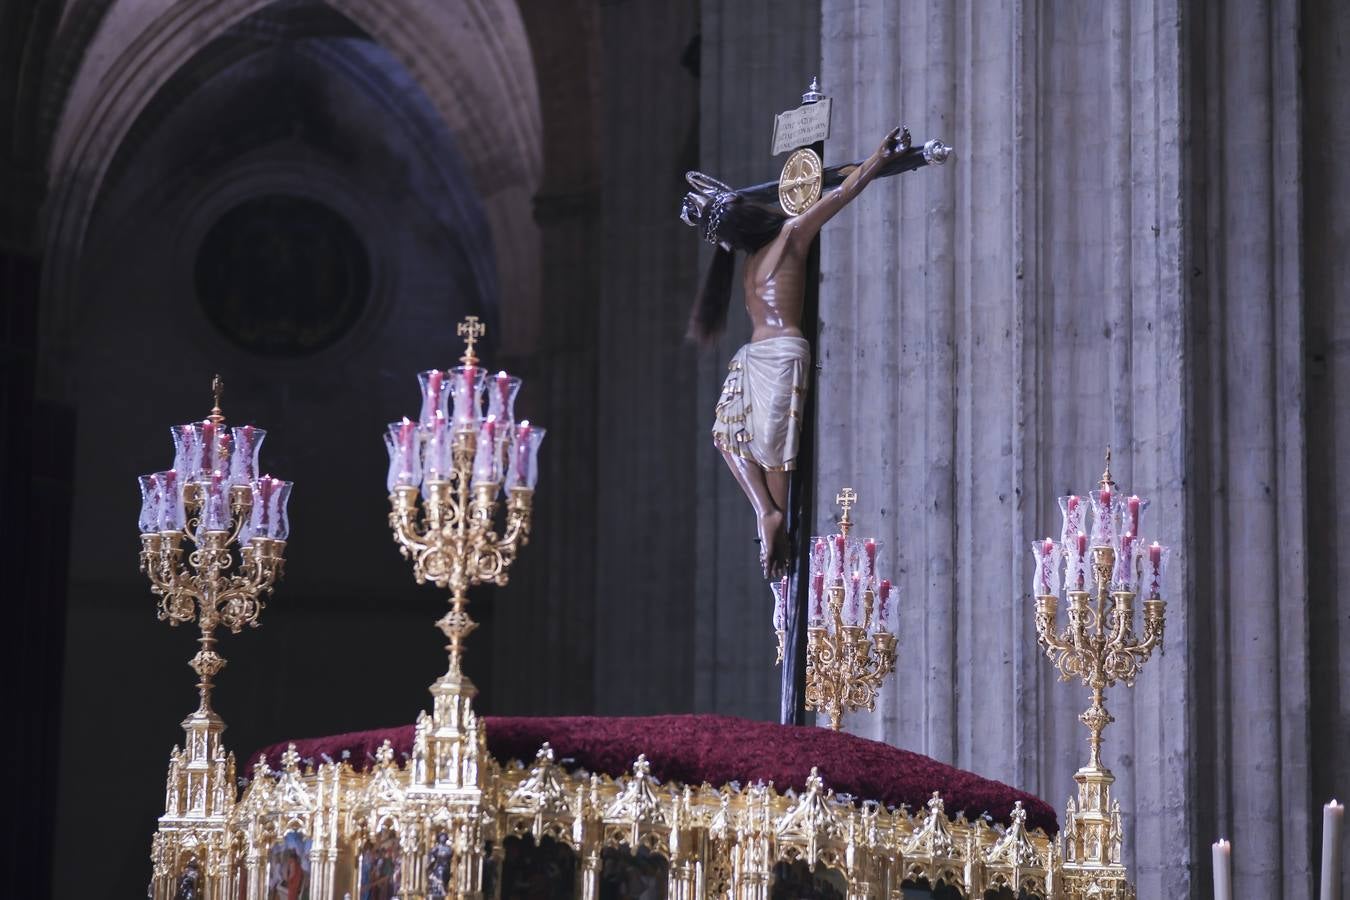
column 645, row 405
column 1326, row 215
column 1248, row 436
column 988, row 328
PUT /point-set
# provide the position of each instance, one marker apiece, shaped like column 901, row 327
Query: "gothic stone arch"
column 472, row 59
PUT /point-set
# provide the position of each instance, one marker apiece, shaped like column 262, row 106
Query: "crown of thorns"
column 706, row 204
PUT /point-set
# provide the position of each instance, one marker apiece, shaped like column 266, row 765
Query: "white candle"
column 1332, row 814
column 1223, row 870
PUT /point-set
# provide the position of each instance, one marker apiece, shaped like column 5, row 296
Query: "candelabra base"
column 189, row 851
column 446, row 742
column 1093, row 838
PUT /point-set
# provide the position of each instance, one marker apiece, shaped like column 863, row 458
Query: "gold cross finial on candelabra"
column 1106, row 481
column 217, row 391
column 471, row 330
column 846, row 499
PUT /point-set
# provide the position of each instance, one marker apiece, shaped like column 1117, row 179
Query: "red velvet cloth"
column 718, row 750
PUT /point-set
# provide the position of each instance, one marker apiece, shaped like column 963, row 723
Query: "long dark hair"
column 735, row 224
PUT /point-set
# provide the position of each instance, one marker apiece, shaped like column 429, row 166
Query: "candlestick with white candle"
column 1333, row 815
column 1223, row 870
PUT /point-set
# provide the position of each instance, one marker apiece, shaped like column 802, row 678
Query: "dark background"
column 290, row 208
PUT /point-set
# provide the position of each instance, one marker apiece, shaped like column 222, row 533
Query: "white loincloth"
column 759, row 414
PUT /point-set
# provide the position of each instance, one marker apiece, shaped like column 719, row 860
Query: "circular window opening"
column 282, row 275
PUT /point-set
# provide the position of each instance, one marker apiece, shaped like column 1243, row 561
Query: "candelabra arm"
column 412, row 542
column 1153, row 635
column 1047, row 629
column 241, row 602
column 1081, row 624
column 519, row 509
column 1122, row 619
column 177, row 593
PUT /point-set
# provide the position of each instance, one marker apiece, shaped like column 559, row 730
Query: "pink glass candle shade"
column 435, row 397
column 401, row 440
column 852, row 613
column 1132, row 515
column 1071, row 508
column 215, row 512
column 438, row 449
column 524, row 468
column 1077, row 571
column 837, row 558
column 1155, row 568
column 886, row 610
column 172, row 515
column 244, row 457
column 780, row 602
column 1045, row 582
column 487, row 460
column 817, row 600
column 1125, row 575
column 187, row 451
column 1104, row 518
column 269, row 517
column 152, row 499
column 870, row 563
column 273, row 496
column 215, row 450
column 501, row 390
column 819, row 553
column 466, row 394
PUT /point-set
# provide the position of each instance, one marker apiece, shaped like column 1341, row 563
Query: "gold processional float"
column 213, row 533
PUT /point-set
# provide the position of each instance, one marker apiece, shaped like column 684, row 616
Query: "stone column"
column 644, row 577
column 1326, row 324
column 988, row 328
column 1248, row 485
column 543, row 623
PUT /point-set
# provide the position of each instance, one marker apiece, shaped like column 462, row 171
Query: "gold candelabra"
column 458, row 461
column 1103, row 576
column 851, row 632
column 450, row 536
column 213, row 534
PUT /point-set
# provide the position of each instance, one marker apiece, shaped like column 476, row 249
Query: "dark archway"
column 294, row 109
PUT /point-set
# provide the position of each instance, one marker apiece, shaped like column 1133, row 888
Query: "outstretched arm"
column 806, row 226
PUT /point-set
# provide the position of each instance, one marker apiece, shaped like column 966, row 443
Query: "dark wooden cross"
column 808, row 126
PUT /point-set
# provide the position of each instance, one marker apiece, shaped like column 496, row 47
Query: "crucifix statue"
column 760, row 416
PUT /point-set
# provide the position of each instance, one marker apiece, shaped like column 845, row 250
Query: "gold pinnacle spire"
column 1106, row 481
column 471, row 330
column 846, row 499
column 217, row 391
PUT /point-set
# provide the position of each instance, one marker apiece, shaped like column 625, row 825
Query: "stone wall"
column 1122, row 252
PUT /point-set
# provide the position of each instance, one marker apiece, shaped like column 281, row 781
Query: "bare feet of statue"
column 773, row 545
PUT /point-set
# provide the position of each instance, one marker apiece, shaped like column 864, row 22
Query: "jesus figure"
column 758, row 417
